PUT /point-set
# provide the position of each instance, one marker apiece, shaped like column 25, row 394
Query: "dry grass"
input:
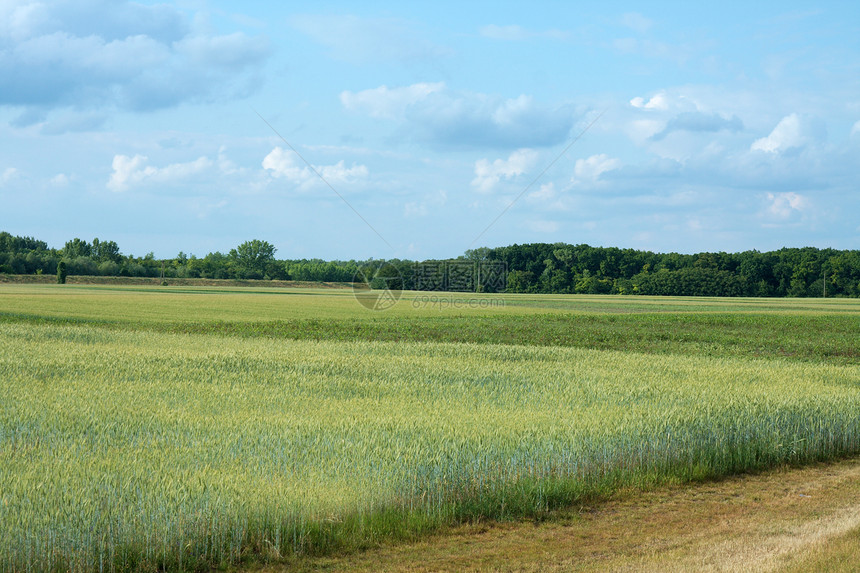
column 786, row 520
column 834, row 555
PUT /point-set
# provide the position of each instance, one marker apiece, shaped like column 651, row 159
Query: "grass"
column 785, row 520
column 803, row 329
column 144, row 429
column 839, row 555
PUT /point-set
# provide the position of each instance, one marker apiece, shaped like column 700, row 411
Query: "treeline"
column 531, row 268
column 793, row 272
column 250, row 260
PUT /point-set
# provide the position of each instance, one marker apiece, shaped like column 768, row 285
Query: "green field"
column 180, row 428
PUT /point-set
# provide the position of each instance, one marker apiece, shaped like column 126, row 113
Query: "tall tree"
column 105, row 251
column 253, row 256
column 77, row 248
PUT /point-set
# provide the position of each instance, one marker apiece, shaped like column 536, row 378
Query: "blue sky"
column 725, row 126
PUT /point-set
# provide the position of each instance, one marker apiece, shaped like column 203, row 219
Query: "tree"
column 253, row 256
column 61, row 272
column 105, row 251
column 479, row 254
column 77, row 248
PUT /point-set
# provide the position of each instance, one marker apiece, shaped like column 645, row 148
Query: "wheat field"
column 134, row 449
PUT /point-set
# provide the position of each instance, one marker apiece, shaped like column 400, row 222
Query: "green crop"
column 125, row 445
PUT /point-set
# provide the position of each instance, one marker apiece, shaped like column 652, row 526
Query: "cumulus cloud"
column 433, row 113
column 281, row 162
column 81, row 55
column 686, row 99
column 589, row 170
column 107, row 19
column 132, row 171
column 656, row 102
column 784, row 205
column 694, row 121
column 792, row 132
column 545, row 193
column 488, row 175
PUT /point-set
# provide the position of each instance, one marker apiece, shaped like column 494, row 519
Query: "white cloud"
column 792, row 132
column 690, row 99
column 698, row 122
column 116, row 54
column 546, row 192
column 784, row 205
column 229, row 51
column 855, row 131
column 389, row 103
column 131, row 171
column 22, row 19
column 281, row 163
column 8, row 175
column 589, row 170
column 488, row 175
column 642, row 130
column 124, row 170
column 433, row 113
column 657, row 102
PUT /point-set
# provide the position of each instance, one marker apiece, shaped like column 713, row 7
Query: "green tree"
column 77, row 248
column 479, row 254
column 61, row 272
column 102, row 251
column 253, row 256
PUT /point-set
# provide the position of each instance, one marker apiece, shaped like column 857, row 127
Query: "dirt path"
column 786, row 519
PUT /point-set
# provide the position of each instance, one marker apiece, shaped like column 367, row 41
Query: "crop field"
column 181, row 428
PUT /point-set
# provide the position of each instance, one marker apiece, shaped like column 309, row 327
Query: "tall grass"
column 139, row 450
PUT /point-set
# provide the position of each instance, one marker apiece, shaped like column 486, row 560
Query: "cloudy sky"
column 422, row 129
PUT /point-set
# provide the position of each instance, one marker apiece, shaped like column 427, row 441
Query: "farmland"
column 145, row 428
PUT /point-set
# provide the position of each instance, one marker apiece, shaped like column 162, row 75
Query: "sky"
column 418, row 130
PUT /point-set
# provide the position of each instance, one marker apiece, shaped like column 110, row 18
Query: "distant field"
column 145, row 428
column 157, row 281
column 806, row 329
